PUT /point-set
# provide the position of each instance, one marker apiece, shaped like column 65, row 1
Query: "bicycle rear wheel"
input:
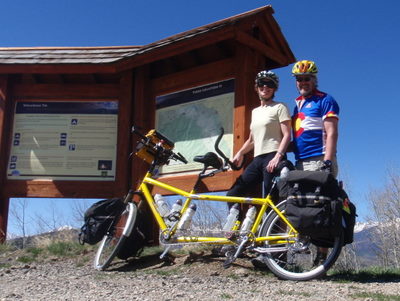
column 297, row 260
column 116, row 236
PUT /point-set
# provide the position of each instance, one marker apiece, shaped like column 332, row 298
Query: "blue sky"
column 355, row 45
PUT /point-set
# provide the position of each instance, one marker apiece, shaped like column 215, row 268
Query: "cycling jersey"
column 308, row 123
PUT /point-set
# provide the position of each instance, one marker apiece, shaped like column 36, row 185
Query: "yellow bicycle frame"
column 264, row 203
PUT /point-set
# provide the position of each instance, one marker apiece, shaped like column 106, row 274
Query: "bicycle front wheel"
column 297, row 258
column 116, row 236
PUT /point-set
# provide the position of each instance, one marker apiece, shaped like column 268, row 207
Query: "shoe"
column 319, row 259
column 259, row 262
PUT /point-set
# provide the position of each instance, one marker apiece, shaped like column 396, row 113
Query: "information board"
column 57, row 140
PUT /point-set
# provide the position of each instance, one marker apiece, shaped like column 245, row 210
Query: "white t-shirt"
column 266, row 127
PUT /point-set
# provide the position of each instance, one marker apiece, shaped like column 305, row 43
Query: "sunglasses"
column 269, row 84
column 303, row 79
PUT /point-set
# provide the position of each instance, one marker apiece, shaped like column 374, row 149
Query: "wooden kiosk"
column 66, row 113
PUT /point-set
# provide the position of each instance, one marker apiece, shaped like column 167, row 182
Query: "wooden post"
column 4, row 201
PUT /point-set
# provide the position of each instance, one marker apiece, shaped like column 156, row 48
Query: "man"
column 315, row 122
column 315, row 127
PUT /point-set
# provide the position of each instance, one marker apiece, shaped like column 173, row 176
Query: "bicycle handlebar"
column 227, row 161
column 179, row 157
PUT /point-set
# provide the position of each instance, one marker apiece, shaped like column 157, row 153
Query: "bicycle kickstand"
column 165, row 252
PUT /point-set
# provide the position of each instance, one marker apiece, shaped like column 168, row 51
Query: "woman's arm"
column 246, row 147
column 285, row 128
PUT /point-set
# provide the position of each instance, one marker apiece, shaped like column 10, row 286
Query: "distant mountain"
column 366, row 237
column 65, row 233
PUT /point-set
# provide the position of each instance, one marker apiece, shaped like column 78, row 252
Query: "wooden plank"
column 61, row 189
column 66, row 90
column 186, row 182
column 197, row 76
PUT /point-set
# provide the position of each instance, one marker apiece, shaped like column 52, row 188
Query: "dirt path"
column 197, row 277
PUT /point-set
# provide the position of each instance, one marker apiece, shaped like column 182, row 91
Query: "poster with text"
column 55, row 140
column 193, row 118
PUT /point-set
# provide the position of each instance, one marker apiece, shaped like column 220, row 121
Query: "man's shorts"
column 316, row 164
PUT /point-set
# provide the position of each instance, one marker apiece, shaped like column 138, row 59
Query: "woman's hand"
column 274, row 162
column 238, row 159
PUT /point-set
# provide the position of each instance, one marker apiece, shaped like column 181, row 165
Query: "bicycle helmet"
column 304, row 67
column 267, row 75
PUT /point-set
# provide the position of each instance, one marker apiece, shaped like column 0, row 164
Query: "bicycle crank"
column 231, row 256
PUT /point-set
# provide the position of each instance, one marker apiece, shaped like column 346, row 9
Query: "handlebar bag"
column 313, row 203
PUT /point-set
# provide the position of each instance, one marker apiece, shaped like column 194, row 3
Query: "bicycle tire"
column 115, row 238
column 293, row 264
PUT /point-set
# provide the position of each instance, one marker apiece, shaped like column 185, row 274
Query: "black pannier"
column 314, row 206
column 349, row 214
column 98, row 218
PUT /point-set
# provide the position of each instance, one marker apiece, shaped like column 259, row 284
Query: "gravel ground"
column 194, row 277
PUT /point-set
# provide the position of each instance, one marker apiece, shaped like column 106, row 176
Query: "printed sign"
column 74, row 140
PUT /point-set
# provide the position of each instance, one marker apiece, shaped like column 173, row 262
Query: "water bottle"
column 249, row 219
column 162, row 206
column 186, row 219
column 176, row 207
column 173, row 215
column 232, row 218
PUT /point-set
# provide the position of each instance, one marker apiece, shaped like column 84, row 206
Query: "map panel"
column 193, row 119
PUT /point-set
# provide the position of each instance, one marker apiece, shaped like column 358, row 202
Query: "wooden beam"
column 284, row 46
column 4, row 200
column 66, row 90
column 266, row 32
column 173, row 48
column 255, row 44
column 124, row 146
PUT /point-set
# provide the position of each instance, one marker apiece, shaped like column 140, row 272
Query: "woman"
column 270, row 130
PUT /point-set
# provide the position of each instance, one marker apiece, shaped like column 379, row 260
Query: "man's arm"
column 331, row 131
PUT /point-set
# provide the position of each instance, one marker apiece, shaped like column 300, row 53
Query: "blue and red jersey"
column 308, row 123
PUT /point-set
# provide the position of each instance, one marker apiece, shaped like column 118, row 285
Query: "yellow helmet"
column 305, row 67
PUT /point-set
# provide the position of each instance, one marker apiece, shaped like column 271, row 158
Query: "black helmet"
column 269, row 75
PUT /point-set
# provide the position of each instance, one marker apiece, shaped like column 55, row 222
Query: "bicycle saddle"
column 209, row 159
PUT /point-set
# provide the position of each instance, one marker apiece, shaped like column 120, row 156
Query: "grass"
column 59, row 249
column 376, row 296
column 372, row 274
column 226, row 296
